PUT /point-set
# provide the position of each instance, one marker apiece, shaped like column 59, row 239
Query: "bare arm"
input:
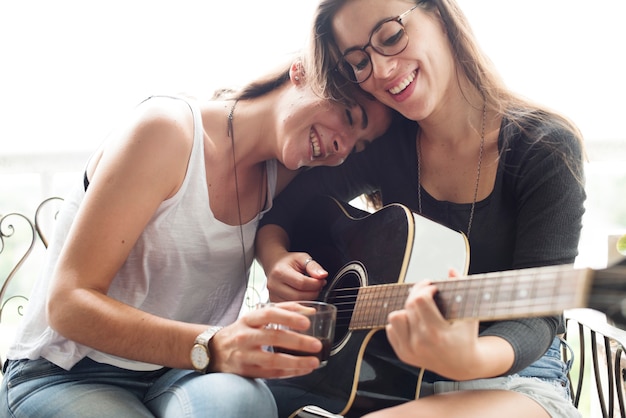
column 143, row 165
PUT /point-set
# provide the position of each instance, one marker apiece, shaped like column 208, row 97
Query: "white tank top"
column 186, row 266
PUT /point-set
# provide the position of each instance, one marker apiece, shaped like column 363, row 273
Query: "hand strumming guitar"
column 290, row 275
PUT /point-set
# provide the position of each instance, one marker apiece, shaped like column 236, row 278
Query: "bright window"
column 71, row 69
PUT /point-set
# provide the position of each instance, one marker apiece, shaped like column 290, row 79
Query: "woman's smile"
column 403, row 84
column 316, row 147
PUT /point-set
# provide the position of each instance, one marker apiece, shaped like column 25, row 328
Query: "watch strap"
column 206, row 335
column 204, row 339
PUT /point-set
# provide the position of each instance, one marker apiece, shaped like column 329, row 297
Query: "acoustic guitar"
column 374, row 259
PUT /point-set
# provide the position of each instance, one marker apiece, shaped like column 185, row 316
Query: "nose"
column 382, row 66
column 343, row 145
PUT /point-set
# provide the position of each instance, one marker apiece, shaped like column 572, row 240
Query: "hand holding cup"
column 322, row 317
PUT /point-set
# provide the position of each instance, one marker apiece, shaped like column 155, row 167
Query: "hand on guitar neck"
column 374, row 255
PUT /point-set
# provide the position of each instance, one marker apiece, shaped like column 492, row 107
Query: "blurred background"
column 70, row 69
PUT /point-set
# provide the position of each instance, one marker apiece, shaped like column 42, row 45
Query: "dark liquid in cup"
column 322, row 355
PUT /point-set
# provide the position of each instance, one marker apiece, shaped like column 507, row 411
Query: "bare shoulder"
column 152, row 146
column 160, row 124
column 164, row 119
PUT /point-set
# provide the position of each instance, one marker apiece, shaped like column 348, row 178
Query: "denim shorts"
column 550, row 394
column 545, row 381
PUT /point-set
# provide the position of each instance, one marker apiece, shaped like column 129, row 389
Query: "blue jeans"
column 38, row 388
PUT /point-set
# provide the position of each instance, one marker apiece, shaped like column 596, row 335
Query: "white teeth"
column 315, row 144
column 403, row 84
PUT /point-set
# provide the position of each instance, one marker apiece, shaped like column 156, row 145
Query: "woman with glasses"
column 137, row 310
column 469, row 154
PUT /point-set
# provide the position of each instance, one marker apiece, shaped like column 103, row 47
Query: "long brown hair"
column 471, row 63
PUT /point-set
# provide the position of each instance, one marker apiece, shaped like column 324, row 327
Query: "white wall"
column 70, row 68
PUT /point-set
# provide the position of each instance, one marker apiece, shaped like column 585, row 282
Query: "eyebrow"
column 376, row 26
column 364, row 121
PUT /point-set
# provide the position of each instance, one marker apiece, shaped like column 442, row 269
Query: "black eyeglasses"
column 388, row 38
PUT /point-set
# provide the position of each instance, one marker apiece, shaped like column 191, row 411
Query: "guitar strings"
column 529, row 296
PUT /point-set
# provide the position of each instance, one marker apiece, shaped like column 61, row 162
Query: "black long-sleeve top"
column 532, row 218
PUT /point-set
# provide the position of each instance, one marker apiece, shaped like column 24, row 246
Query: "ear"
column 296, row 73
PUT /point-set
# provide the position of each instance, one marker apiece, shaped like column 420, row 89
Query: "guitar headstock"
column 608, row 293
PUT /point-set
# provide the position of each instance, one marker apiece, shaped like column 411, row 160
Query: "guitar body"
column 373, row 259
column 358, row 250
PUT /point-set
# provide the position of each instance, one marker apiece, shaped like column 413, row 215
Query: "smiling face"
column 315, row 131
column 417, row 80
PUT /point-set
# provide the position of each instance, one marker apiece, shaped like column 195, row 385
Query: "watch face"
column 199, row 357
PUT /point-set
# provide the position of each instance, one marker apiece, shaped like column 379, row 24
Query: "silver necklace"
column 480, row 160
column 231, row 135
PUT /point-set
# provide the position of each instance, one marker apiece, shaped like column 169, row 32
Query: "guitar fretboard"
column 491, row 296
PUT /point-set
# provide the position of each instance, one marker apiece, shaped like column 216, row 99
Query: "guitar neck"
column 491, row 296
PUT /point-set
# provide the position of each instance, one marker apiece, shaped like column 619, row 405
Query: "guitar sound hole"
column 342, row 293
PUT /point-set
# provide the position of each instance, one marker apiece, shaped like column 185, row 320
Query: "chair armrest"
column 593, row 338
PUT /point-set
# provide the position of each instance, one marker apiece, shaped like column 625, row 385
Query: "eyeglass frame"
column 375, row 49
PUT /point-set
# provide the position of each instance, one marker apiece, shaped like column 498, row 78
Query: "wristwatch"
column 200, row 354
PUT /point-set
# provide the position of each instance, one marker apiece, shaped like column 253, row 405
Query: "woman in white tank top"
column 151, row 254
